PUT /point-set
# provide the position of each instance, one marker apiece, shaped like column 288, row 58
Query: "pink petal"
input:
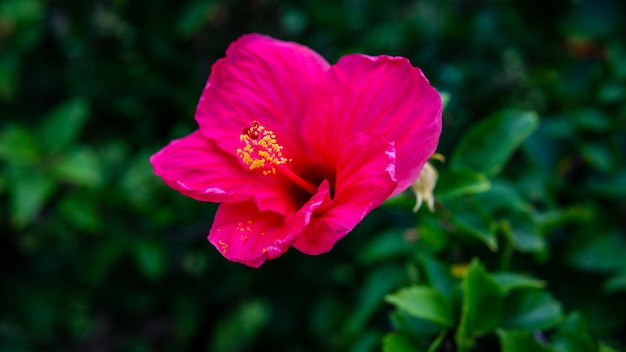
column 245, row 234
column 261, row 79
column 197, row 168
column 383, row 95
column 365, row 178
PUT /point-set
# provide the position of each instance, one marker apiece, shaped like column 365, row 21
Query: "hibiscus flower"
column 297, row 151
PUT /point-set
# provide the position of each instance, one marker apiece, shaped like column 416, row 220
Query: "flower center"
column 262, row 152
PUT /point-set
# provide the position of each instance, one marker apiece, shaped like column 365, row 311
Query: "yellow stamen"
column 223, row 245
column 262, row 152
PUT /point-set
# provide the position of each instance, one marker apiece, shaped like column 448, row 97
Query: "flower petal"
column 197, row 168
column 245, row 234
column 365, row 178
column 383, row 95
column 260, row 79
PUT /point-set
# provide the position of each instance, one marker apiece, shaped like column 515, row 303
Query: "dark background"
column 97, row 254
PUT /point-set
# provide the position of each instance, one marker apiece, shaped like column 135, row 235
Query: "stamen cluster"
column 261, row 151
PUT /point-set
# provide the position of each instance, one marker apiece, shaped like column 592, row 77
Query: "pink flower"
column 298, row 151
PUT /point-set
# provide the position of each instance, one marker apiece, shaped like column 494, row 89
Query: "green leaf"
column 573, row 336
column 434, row 346
column 404, row 201
column 598, row 156
column 574, row 214
column 516, row 217
column 473, row 219
column 605, row 348
column 617, row 59
column 445, row 99
column 425, row 303
column 524, row 231
column 294, row 21
column 431, row 234
column 531, row 310
column 611, row 92
column 509, row 281
column 519, row 341
column 237, row 330
column 614, row 186
column 482, row 305
column 22, row 21
column 194, row 16
column 503, row 196
column 376, row 286
column 104, row 258
column 21, row 12
column 62, row 125
column 81, row 212
column 598, row 253
column 488, row 145
column 17, row 145
column 396, row 342
column 616, row 283
column 438, row 274
column 9, row 69
column 138, row 182
column 455, row 182
column 29, row 193
column 366, row 341
column 387, row 245
column 591, row 119
column 416, row 327
column 150, row 258
column 79, row 166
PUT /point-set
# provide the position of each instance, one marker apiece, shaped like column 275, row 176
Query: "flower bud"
column 423, row 187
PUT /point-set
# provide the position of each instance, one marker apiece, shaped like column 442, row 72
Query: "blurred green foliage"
column 525, row 251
